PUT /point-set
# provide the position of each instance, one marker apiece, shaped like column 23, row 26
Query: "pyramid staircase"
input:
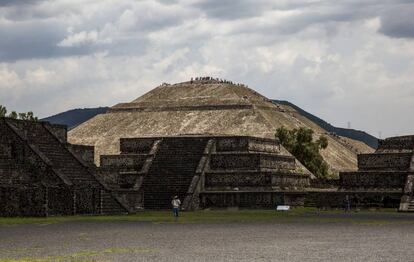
column 69, row 167
column 172, row 171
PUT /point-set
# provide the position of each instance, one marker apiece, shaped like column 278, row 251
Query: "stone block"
column 136, row 145
column 123, row 162
column 384, row 161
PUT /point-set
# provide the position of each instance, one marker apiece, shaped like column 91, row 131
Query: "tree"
column 27, row 116
column 3, row 111
column 23, row 116
column 13, row 115
column 299, row 142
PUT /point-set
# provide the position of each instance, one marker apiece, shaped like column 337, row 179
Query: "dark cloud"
column 230, row 9
column 34, row 40
column 28, row 40
column 32, row 33
column 167, row 2
column 18, row 2
column 398, row 21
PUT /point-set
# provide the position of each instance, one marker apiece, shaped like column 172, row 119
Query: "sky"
column 348, row 62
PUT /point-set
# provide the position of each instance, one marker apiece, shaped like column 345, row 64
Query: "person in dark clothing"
column 347, row 204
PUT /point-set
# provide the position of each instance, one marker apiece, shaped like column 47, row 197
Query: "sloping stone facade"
column 204, row 106
column 42, row 175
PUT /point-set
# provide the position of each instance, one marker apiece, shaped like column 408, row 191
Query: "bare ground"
column 325, row 239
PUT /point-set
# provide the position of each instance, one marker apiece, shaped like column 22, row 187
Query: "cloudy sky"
column 345, row 61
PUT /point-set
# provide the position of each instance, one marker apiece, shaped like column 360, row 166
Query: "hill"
column 75, row 117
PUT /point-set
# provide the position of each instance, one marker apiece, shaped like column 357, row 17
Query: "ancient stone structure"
column 385, row 177
column 243, row 171
column 204, row 171
column 205, row 106
column 41, row 174
column 209, row 141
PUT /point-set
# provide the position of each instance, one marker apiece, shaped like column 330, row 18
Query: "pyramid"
column 205, row 106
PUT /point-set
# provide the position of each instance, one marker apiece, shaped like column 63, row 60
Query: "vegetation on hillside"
column 299, row 142
column 23, row 116
column 359, row 135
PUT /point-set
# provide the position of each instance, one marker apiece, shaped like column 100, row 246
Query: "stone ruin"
column 204, row 171
column 41, row 174
column 387, row 173
column 209, row 141
column 204, row 106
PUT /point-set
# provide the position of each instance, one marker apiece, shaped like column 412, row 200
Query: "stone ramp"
column 172, row 171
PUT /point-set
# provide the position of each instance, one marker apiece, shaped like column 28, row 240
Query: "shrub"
column 299, row 142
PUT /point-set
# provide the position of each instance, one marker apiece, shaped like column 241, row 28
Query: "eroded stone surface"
column 205, row 107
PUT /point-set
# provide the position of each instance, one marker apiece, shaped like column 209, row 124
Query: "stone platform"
column 387, row 174
column 219, row 171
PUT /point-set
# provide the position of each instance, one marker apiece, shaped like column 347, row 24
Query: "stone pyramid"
column 205, row 106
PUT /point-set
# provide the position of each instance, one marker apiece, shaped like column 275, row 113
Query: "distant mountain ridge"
column 75, row 117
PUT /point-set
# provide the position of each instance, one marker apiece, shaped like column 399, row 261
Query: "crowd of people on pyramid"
column 219, row 80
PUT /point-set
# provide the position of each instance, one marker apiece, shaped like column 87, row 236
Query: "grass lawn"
column 295, row 215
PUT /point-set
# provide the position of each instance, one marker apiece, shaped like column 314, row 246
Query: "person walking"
column 176, row 203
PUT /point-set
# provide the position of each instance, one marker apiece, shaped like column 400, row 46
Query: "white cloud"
column 40, row 77
column 78, row 39
column 8, row 79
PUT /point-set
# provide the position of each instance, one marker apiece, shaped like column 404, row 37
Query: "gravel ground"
column 141, row 241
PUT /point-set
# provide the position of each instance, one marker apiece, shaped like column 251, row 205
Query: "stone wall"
column 290, row 181
column 396, row 143
column 250, row 161
column 232, row 144
column 250, row 199
column 250, row 179
column 123, row 162
column 60, row 131
column 59, row 201
column 254, row 180
column 22, row 201
column 122, row 171
column 246, row 144
column 39, row 176
column 134, row 198
column 86, row 153
column 378, row 179
column 136, row 145
column 263, row 145
column 358, row 199
column 384, row 161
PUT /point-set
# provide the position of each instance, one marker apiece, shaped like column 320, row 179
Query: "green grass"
column 221, row 216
